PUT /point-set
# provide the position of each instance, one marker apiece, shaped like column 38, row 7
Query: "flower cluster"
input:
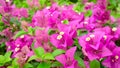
column 59, row 36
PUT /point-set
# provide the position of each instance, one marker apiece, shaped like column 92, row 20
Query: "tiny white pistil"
column 79, row 13
column 113, row 60
column 92, row 35
column 18, row 45
column 61, row 21
column 16, row 49
column 85, row 22
column 51, row 14
column 22, row 36
column 101, row 59
column 116, row 57
column 87, row 39
column 48, row 7
column 105, row 37
column 9, row 47
column 7, row 0
column 61, row 33
column 114, row 29
column 59, row 37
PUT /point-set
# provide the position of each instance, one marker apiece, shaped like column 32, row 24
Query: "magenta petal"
column 107, row 62
column 70, row 52
column 73, row 65
column 106, row 52
column 61, row 58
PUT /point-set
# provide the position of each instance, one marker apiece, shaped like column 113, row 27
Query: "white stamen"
column 116, row 57
column 61, row 21
column 105, row 37
column 79, row 13
column 87, row 39
column 7, row 0
column 18, row 45
column 9, row 47
column 85, row 22
column 22, row 36
column 114, row 29
column 92, row 35
column 59, row 37
column 48, row 7
column 61, row 33
column 113, row 60
column 16, row 49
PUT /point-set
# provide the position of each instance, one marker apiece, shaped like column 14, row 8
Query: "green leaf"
column 89, row 13
column 7, row 56
column 93, row 1
column 50, row 32
column 15, row 64
column 77, row 44
column 80, row 61
column 20, row 33
column 31, row 30
column 94, row 64
column 28, row 65
column 56, row 64
column 2, row 58
column 42, row 2
column 39, row 51
column 48, row 56
column 9, row 67
column 14, row 21
column 80, row 33
column 65, row 22
column 58, row 52
column 43, row 65
column 32, row 58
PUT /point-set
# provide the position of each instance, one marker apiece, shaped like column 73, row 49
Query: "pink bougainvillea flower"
column 23, row 55
column 16, row 45
column 67, row 59
column 22, row 12
column 42, row 39
column 113, row 61
column 68, row 29
column 100, row 14
column 94, row 45
column 39, row 19
column 24, row 51
column 93, row 54
column 61, row 40
column 92, row 40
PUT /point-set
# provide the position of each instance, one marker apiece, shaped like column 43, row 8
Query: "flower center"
column 85, row 22
column 16, row 49
column 105, row 37
column 7, row 0
column 61, row 33
column 22, row 36
column 18, row 45
column 68, row 61
column 92, row 35
column 87, row 39
column 116, row 57
column 9, row 47
column 114, row 29
column 59, row 37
